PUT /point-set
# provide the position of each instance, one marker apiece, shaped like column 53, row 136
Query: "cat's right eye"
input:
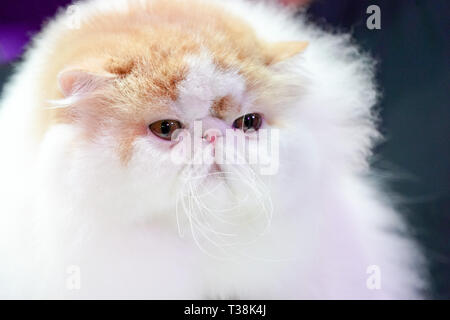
column 164, row 128
column 248, row 122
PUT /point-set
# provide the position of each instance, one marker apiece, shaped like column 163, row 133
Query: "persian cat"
column 111, row 181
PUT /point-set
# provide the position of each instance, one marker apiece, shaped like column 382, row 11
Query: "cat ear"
column 73, row 80
column 281, row 51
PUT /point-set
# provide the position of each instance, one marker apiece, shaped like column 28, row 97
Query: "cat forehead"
column 208, row 88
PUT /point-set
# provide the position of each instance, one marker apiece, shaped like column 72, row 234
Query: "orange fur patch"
column 222, row 105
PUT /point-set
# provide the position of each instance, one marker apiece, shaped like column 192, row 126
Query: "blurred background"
column 412, row 48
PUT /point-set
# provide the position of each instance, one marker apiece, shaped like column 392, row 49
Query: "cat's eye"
column 248, row 122
column 165, row 128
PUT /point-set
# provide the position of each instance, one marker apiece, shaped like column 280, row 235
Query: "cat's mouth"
column 215, row 168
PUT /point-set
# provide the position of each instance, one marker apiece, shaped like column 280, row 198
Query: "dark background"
column 412, row 48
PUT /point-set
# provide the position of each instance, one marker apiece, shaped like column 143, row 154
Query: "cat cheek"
column 126, row 140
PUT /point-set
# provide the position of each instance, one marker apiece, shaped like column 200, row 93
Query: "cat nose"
column 213, row 128
column 211, row 136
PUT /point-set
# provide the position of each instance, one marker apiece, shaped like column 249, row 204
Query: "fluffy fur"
column 84, row 183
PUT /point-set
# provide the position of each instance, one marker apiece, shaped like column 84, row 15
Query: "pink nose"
column 211, row 137
column 213, row 128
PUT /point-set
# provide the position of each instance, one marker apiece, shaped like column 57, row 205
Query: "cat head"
column 138, row 90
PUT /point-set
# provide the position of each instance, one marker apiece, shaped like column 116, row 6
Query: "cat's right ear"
column 77, row 81
column 281, row 51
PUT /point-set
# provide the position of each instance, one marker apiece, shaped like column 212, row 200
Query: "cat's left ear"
column 75, row 80
column 281, row 51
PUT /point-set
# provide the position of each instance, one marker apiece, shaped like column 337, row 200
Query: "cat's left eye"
column 165, row 128
column 248, row 122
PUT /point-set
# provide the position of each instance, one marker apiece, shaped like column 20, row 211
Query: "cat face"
column 121, row 89
column 135, row 110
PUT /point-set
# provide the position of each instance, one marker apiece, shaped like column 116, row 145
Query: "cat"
column 94, row 205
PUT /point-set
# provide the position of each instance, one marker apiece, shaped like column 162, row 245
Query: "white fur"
column 62, row 206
